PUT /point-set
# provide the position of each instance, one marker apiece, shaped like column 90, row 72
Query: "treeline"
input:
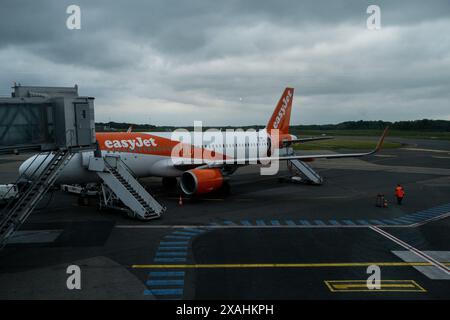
column 122, row 126
column 416, row 125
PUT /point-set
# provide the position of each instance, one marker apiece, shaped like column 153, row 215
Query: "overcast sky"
column 227, row 62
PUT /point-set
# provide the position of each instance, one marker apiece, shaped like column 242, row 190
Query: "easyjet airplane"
column 202, row 166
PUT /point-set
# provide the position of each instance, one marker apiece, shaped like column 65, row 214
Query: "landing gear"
column 225, row 189
column 169, row 183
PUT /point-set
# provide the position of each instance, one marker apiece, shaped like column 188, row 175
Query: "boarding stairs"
column 300, row 168
column 18, row 209
column 120, row 183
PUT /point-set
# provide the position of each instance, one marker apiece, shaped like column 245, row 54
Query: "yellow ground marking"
column 204, row 199
column 282, row 265
column 385, row 286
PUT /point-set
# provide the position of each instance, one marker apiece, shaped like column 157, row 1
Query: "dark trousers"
column 399, row 200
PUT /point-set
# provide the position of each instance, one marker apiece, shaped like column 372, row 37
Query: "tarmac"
column 266, row 239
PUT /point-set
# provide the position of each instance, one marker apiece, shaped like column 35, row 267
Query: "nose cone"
column 33, row 166
column 25, row 168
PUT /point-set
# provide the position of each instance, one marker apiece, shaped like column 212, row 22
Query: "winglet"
column 380, row 142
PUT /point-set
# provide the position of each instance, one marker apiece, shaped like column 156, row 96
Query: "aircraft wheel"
column 169, row 183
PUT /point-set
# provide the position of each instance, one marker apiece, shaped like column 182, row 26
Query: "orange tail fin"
column 282, row 113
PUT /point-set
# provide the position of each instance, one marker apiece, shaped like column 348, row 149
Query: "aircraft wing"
column 221, row 163
column 303, row 140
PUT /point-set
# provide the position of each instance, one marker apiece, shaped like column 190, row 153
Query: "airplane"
column 151, row 154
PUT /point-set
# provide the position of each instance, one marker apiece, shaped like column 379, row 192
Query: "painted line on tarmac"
column 260, row 225
column 386, row 156
column 385, row 286
column 426, row 150
column 412, row 249
column 282, row 265
column 411, row 220
column 319, row 226
column 173, row 249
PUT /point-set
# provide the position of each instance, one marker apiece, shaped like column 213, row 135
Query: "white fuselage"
column 153, row 158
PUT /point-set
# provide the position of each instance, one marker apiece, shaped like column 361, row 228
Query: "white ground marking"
column 281, row 226
column 386, row 156
column 430, row 271
column 426, row 150
column 34, row 236
column 413, row 250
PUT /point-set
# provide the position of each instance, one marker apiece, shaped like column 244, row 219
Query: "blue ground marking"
column 290, row 223
column 166, row 274
column 275, row 222
column 376, row 221
column 437, row 210
column 171, row 254
column 391, row 221
column 319, row 222
column 442, row 208
column 172, row 248
column 170, row 282
column 177, row 237
column 440, row 211
column 197, row 231
column 430, row 213
column 229, row 223
column 363, row 222
column 245, row 223
column 401, row 221
column 260, row 223
column 348, row 222
column 169, row 260
column 405, row 219
column 305, row 222
column 172, row 243
column 334, row 222
column 421, row 214
column 164, row 292
column 413, row 218
column 184, row 233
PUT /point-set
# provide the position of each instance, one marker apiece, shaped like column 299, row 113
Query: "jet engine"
column 201, row 181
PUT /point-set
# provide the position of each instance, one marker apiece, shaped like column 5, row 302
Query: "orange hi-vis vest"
column 399, row 192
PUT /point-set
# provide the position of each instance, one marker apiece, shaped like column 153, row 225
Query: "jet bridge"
column 51, row 119
column 17, row 210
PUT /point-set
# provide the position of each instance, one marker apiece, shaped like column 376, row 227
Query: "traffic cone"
column 180, row 202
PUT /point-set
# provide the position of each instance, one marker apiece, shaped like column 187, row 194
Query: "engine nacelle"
column 201, row 181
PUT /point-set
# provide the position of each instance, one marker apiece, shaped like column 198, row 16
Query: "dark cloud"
column 233, row 58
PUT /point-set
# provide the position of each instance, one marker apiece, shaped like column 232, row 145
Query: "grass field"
column 392, row 133
column 340, row 143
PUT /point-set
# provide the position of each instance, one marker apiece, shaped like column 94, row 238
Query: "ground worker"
column 399, row 193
